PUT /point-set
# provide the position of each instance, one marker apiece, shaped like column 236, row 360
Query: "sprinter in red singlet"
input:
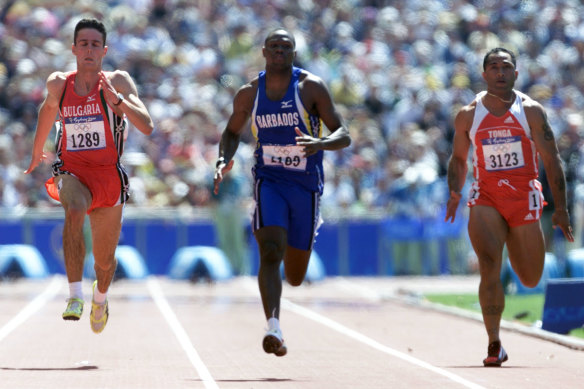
column 508, row 132
column 92, row 107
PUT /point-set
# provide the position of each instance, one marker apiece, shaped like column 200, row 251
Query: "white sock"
column 273, row 323
column 76, row 290
column 98, row 297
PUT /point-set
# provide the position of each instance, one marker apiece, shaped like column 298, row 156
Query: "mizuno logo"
column 286, row 104
column 90, row 98
column 509, row 120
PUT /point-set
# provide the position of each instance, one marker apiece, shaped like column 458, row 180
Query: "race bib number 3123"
column 503, row 153
column 286, row 156
column 85, row 133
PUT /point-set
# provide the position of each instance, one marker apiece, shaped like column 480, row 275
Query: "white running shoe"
column 274, row 343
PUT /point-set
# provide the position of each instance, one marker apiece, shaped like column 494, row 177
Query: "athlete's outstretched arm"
column 457, row 166
column 46, row 119
column 545, row 142
column 242, row 106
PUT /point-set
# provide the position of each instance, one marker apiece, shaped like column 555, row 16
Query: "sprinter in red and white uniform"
column 92, row 107
column 509, row 132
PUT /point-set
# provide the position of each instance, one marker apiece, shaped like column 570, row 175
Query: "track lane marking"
column 314, row 316
column 34, row 306
column 286, row 304
column 180, row 333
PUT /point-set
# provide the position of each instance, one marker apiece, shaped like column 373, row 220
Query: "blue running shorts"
column 290, row 206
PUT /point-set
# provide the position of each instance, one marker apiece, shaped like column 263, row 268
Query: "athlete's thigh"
column 487, row 231
column 72, row 192
column 526, row 247
column 106, row 225
column 296, row 264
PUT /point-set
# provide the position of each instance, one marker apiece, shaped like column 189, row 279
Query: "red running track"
column 341, row 333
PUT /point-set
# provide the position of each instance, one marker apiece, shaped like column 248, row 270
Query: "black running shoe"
column 496, row 355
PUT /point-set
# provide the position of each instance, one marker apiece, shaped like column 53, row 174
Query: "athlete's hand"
column 452, row 206
column 311, row 145
column 35, row 161
column 561, row 219
column 110, row 93
column 220, row 171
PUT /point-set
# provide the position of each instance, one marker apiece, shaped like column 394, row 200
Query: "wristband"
column 120, row 99
column 220, row 160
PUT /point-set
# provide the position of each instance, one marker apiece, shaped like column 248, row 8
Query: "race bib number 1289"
column 85, row 133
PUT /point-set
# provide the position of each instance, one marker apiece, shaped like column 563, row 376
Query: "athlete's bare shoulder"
column 464, row 117
column 313, row 91
column 249, row 89
column 116, row 74
column 56, row 82
column 245, row 96
column 533, row 109
column 310, row 80
column 120, row 79
column 468, row 110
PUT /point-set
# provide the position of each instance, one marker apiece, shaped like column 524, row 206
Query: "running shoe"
column 99, row 314
column 496, row 355
column 74, row 309
column 274, row 343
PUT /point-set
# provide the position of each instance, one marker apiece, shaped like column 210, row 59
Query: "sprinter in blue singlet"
column 287, row 106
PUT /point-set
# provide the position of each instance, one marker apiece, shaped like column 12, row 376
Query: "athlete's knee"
column 75, row 214
column 529, row 280
column 294, row 279
column 105, row 265
column 528, row 270
column 271, row 253
column 489, row 266
column 490, row 284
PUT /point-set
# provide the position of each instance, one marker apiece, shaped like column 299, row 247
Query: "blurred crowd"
column 398, row 70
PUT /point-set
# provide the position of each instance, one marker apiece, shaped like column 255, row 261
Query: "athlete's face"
column 89, row 49
column 500, row 72
column 279, row 50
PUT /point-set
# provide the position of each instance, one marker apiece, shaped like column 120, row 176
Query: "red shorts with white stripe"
column 109, row 185
column 518, row 201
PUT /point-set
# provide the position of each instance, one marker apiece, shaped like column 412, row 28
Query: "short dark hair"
column 90, row 23
column 273, row 32
column 496, row 50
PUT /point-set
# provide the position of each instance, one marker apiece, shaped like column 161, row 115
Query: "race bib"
column 286, row 156
column 503, row 153
column 85, row 133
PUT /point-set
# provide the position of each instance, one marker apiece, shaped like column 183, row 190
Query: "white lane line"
column 373, row 296
column 35, row 305
column 180, row 333
column 286, row 304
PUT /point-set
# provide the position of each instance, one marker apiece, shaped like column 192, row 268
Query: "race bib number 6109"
column 286, row 156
